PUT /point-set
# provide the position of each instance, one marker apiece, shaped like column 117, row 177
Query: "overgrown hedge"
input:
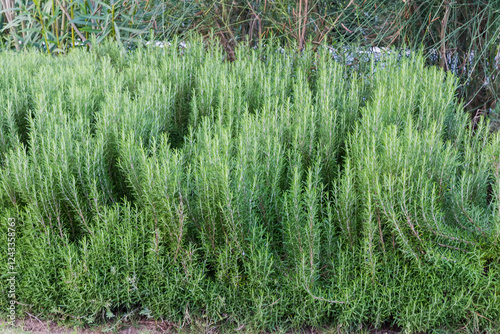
column 277, row 191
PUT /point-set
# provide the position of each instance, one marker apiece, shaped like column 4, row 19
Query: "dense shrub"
column 461, row 36
column 280, row 190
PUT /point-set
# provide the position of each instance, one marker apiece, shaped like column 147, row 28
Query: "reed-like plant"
column 460, row 36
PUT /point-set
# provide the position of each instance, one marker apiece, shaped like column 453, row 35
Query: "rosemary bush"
column 461, row 36
column 276, row 191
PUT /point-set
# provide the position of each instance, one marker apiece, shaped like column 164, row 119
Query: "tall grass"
column 458, row 35
column 276, row 191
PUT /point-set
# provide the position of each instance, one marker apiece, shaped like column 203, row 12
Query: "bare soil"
column 37, row 326
column 33, row 325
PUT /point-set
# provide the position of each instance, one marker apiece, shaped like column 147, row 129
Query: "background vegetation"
column 458, row 35
column 276, row 191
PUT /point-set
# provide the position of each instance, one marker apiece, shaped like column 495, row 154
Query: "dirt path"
column 37, row 326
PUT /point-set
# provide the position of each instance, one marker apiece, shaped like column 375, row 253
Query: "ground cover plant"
column 277, row 191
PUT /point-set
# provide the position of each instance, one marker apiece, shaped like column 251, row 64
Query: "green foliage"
column 461, row 36
column 276, row 190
